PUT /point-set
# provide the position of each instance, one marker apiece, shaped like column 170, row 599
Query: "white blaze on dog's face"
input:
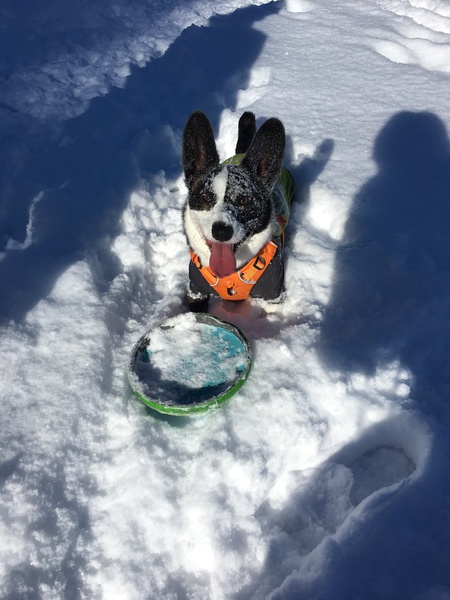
column 228, row 218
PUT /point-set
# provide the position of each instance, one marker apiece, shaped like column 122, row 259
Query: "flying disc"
column 189, row 364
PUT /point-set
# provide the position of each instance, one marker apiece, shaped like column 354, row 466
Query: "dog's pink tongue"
column 222, row 262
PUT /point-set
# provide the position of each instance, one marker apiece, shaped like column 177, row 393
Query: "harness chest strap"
column 239, row 284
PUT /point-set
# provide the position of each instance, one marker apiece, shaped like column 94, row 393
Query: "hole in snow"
column 378, row 469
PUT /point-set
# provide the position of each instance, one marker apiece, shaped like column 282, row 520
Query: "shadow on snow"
column 64, row 201
column 391, row 290
column 390, row 302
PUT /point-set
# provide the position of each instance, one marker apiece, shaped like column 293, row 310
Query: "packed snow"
column 327, row 476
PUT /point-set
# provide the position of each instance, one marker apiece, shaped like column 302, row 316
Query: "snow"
column 326, row 476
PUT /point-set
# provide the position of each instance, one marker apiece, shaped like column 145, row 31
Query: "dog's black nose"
column 221, row 231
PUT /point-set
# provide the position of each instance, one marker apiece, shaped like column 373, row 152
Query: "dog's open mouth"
column 222, row 261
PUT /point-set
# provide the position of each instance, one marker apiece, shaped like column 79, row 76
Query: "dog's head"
column 228, row 215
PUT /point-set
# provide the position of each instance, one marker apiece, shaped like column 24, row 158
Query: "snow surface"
column 327, row 476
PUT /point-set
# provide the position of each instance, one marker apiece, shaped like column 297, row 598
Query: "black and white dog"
column 230, row 218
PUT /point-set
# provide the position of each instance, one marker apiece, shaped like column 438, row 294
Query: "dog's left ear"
column 199, row 148
column 266, row 152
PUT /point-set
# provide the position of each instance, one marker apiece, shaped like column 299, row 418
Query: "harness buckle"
column 259, row 263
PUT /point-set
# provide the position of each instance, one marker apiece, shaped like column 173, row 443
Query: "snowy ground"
column 326, row 478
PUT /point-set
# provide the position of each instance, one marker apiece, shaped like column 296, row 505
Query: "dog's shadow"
column 305, row 174
column 309, row 169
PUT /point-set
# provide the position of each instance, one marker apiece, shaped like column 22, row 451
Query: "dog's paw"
column 198, row 303
column 271, row 306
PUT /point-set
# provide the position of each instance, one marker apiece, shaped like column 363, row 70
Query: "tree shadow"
column 63, row 202
column 37, row 38
column 391, row 288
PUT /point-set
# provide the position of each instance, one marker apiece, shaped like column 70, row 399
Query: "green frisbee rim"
column 194, row 408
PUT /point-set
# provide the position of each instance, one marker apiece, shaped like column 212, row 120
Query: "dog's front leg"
column 197, row 302
column 199, row 291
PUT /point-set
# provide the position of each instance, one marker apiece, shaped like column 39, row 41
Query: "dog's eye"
column 201, row 200
column 206, row 197
column 244, row 200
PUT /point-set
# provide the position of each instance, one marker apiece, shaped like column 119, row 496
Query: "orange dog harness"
column 239, row 284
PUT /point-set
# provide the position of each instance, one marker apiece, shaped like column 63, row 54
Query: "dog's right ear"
column 199, row 148
column 264, row 157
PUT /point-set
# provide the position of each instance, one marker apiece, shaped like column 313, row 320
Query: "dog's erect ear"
column 246, row 132
column 199, row 148
column 266, row 152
